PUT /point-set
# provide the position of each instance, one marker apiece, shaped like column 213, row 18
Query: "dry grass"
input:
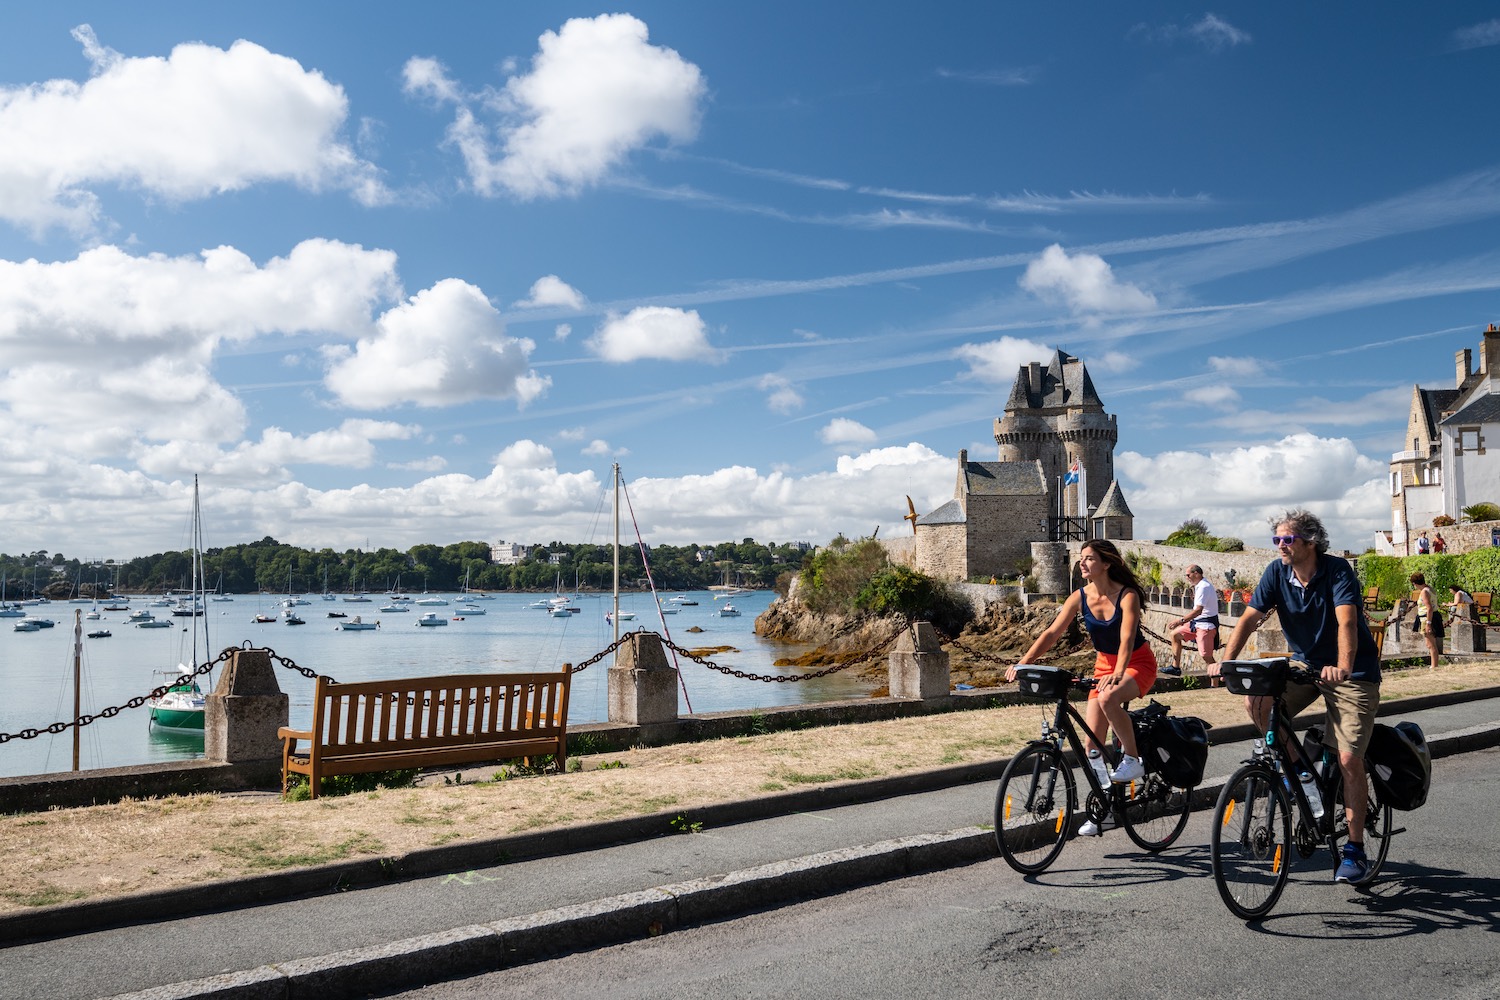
column 99, row 851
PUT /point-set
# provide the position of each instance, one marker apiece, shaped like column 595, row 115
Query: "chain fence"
column 86, row 718
column 746, row 675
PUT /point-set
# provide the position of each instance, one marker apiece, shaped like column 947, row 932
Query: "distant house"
column 1449, row 464
column 509, row 553
column 1054, row 479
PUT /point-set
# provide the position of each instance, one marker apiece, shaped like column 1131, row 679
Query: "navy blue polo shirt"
column 1307, row 615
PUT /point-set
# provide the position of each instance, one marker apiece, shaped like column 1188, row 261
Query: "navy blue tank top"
column 1105, row 635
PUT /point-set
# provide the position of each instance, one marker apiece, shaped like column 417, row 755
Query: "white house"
column 1449, row 464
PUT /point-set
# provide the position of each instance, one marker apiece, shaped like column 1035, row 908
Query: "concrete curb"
column 480, row 948
column 74, row 918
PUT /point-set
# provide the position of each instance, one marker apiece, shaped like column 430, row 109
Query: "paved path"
column 351, row 943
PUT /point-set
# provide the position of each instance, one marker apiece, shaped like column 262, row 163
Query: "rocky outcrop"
column 792, row 621
column 999, row 636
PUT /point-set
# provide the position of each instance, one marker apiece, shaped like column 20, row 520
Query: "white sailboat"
column 9, row 610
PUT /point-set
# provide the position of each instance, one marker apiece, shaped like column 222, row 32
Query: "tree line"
column 273, row 567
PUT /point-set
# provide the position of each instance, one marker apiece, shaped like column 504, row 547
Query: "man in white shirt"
column 1200, row 624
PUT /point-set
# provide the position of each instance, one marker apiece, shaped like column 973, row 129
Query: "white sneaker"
column 1130, row 769
column 1092, row 829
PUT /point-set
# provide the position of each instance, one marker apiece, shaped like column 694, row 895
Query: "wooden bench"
column 1372, row 594
column 1482, row 609
column 428, row 722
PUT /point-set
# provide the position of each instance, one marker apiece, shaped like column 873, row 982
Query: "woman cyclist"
column 1110, row 601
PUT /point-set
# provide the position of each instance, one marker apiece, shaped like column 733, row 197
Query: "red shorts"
column 1141, row 668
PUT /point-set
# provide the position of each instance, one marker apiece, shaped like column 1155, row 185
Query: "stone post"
column 1049, row 564
column 642, row 684
column 918, row 666
column 1466, row 637
column 247, row 706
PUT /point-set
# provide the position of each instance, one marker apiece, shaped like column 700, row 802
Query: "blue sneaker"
column 1354, row 868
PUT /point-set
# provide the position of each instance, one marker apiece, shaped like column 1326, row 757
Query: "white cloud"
column 1478, row 36
column 525, row 454
column 842, row 430
column 998, row 361
column 550, row 290
column 1215, row 33
column 562, row 332
column 446, row 345
column 655, row 332
column 1084, row 282
column 1219, row 397
column 1236, row 490
column 199, row 122
column 1210, row 31
column 1237, row 367
column 135, row 337
column 1114, row 361
column 782, row 396
column 597, row 92
column 599, row 448
column 350, row 445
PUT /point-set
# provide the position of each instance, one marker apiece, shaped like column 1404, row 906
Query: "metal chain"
column 580, row 668
column 307, row 672
column 789, row 678
column 114, row 710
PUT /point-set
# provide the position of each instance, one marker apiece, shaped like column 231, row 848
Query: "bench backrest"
column 452, row 710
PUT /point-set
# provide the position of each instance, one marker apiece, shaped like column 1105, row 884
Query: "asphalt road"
column 1106, row 921
column 328, row 930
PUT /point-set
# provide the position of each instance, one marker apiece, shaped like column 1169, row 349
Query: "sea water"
column 36, row 668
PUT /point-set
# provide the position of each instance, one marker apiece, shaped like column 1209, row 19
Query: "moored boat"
column 430, row 618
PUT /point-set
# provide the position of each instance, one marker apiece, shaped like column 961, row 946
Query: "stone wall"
column 1001, row 530
column 942, row 551
column 1247, row 565
column 1461, row 537
column 901, row 549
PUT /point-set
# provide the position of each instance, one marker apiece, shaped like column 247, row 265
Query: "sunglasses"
column 1287, row 540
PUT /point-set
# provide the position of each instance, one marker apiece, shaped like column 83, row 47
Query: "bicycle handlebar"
column 1074, row 681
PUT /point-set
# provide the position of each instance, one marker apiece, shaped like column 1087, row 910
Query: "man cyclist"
column 1318, row 600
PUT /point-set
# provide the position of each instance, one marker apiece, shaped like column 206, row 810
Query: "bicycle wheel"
column 1250, row 844
column 1377, row 829
column 1155, row 812
column 1034, row 808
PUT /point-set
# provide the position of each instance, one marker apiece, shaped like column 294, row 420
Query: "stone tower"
column 1054, row 416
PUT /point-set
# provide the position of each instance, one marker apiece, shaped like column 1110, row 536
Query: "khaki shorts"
column 1351, row 709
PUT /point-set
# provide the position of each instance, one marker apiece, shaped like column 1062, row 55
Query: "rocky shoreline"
column 996, row 638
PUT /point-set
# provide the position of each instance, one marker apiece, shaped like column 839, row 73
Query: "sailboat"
column 180, row 708
column 9, row 610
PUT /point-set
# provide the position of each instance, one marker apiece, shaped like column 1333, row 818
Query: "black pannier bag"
column 1176, row 747
column 1400, row 764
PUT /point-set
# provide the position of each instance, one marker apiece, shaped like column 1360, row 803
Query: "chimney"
column 1463, row 360
column 1491, row 348
column 1034, row 376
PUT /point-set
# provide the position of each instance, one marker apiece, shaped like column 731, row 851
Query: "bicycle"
column 1033, row 815
column 1252, row 833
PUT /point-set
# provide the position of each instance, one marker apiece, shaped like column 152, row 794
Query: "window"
column 1469, row 440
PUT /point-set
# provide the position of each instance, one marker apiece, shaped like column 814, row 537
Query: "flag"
column 1072, row 475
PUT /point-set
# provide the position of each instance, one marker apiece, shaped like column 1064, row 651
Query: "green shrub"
column 1482, row 512
column 1443, row 521
column 1228, row 544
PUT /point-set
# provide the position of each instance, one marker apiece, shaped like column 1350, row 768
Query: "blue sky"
column 383, row 273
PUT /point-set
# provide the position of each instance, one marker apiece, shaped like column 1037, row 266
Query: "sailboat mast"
column 77, row 670
column 200, row 581
column 615, row 617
